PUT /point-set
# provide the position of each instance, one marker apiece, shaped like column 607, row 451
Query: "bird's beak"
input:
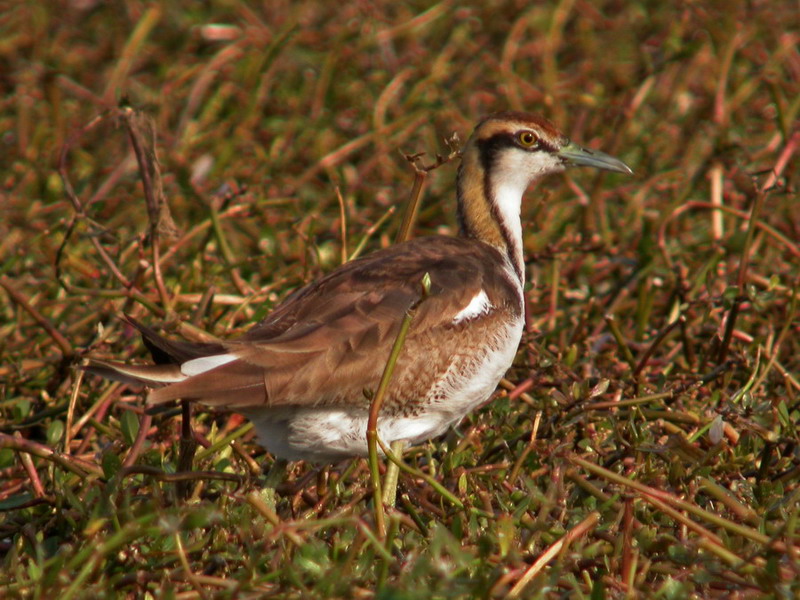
column 575, row 155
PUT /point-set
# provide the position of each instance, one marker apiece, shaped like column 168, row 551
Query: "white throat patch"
column 514, row 173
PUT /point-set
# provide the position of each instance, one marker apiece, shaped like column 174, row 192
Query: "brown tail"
column 167, row 354
column 165, row 351
column 149, row 375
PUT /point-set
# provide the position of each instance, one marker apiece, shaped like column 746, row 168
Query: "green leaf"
column 599, row 389
column 15, row 501
column 462, row 484
column 55, row 432
column 571, row 356
column 505, row 533
column 111, row 464
column 598, row 590
column 129, row 423
column 34, row 571
column 22, row 408
column 783, row 415
column 6, row 457
column 774, row 281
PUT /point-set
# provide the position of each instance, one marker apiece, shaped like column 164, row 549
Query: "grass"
column 645, row 442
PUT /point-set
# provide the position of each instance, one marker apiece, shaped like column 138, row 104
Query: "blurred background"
column 282, row 131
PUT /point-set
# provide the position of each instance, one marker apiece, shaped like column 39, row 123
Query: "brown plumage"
column 301, row 374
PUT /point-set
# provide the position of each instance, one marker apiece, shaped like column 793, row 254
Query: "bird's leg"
column 188, row 446
column 392, row 474
column 323, row 475
column 275, row 476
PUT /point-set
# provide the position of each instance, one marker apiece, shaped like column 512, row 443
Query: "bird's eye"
column 527, row 139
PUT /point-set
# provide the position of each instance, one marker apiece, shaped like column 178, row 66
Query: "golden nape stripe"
column 300, row 375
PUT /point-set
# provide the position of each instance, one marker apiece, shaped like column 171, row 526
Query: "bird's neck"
column 489, row 209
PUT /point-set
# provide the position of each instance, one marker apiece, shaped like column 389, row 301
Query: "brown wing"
column 330, row 341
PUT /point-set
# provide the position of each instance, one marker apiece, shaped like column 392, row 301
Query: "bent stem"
column 420, row 175
column 377, row 402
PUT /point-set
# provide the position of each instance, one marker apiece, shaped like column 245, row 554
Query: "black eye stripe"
column 490, row 147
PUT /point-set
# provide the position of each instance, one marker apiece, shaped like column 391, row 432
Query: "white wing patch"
column 205, row 363
column 479, row 305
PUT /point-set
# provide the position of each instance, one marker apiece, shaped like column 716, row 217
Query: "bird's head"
column 517, row 148
column 503, row 156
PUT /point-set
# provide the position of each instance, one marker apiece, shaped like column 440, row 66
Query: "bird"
column 303, row 374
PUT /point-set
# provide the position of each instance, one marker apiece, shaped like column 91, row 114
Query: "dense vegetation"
column 645, row 442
